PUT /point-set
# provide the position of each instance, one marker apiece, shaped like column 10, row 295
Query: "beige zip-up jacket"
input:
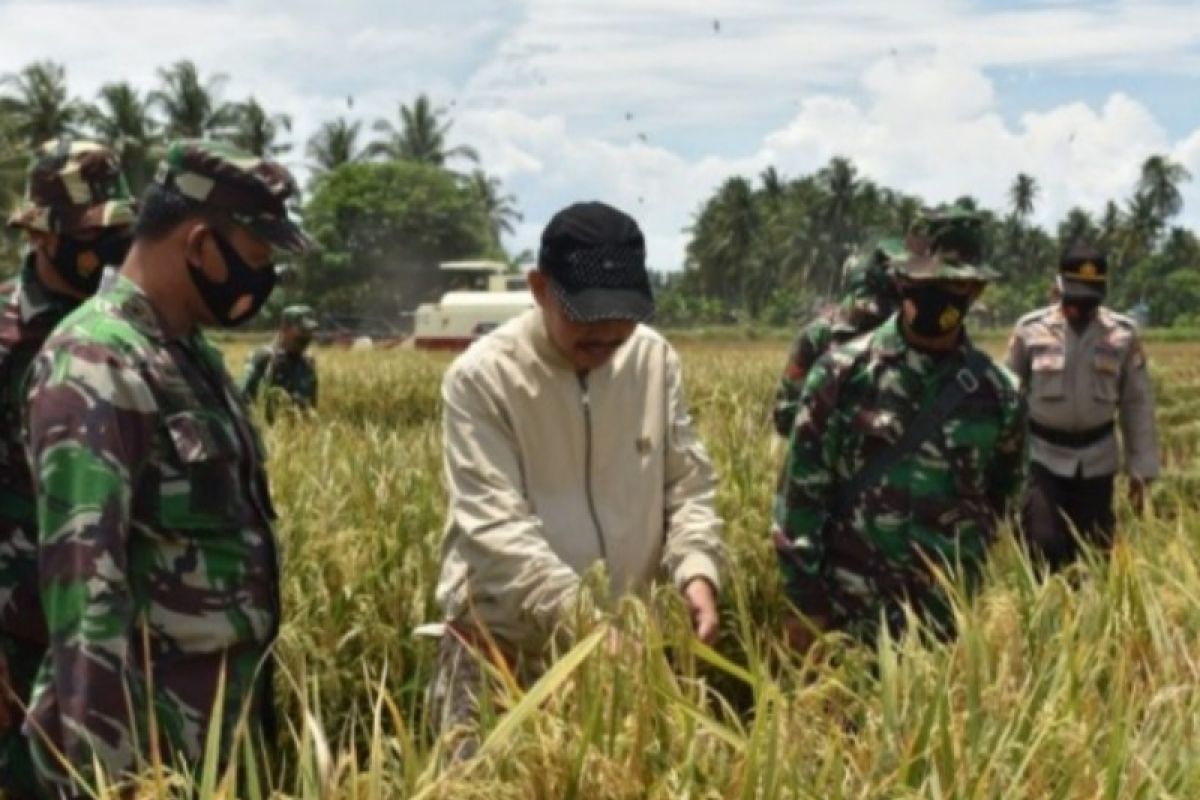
column 549, row 472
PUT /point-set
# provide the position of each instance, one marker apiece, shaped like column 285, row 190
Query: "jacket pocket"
column 203, row 489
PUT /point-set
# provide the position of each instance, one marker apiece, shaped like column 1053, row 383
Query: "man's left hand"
column 701, row 601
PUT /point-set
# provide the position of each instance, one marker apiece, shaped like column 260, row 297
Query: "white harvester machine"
column 483, row 297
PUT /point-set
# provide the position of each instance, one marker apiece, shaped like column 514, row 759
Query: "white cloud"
column 645, row 104
column 928, row 126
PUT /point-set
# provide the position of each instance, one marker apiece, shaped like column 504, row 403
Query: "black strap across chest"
column 924, row 425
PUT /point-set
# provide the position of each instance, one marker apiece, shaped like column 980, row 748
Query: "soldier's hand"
column 7, row 717
column 802, row 633
column 1137, row 494
column 701, row 601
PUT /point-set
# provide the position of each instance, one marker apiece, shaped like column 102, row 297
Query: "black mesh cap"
column 595, row 258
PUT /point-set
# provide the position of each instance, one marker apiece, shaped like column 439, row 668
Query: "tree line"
column 771, row 249
column 385, row 207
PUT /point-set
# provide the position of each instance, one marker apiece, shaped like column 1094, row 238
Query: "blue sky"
column 649, row 105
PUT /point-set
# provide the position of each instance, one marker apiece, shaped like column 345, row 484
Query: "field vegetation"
column 1080, row 686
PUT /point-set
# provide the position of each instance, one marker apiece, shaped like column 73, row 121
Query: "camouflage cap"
column 72, row 185
column 301, row 316
column 945, row 244
column 251, row 191
column 869, row 268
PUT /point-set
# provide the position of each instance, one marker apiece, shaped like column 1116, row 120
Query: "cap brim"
column 109, row 214
column 928, row 268
column 1082, row 288
column 283, row 235
column 893, row 249
column 597, row 305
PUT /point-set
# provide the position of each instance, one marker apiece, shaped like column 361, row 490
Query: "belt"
column 1073, row 439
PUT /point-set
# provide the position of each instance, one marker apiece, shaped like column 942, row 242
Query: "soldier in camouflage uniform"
column 853, row 549
column 869, row 299
column 76, row 214
column 284, row 366
column 159, row 569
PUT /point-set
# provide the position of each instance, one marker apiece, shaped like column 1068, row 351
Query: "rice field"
column 1081, row 686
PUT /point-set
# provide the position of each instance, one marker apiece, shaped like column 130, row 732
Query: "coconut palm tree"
column 499, row 208
column 36, row 102
column 1077, row 226
column 121, row 118
column 839, row 180
column 334, row 144
column 192, row 108
column 1022, row 195
column 258, row 132
column 421, row 136
column 1159, row 182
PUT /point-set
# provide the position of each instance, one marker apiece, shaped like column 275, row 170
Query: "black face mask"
column 939, row 310
column 81, row 263
column 243, row 291
column 1084, row 307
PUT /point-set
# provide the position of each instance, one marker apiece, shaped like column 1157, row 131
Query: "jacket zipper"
column 587, row 464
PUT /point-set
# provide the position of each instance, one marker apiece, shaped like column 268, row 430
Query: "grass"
column 1081, row 686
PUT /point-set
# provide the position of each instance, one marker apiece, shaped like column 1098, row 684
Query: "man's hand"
column 701, row 599
column 802, row 632
column 1137, row 494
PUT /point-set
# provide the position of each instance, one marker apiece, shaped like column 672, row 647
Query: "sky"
column 651, row 104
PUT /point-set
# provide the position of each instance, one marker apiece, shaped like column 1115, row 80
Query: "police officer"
column 76, row 216
column 1083, row 369
column 285, row 365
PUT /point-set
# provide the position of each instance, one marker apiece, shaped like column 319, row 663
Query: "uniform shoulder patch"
column 1033, row 317
column 1119, row 320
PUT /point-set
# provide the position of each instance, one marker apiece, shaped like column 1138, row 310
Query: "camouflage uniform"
column 60, row 199
column 935, row 508
column 159, row 570
column 870, row 298
column 273, row 368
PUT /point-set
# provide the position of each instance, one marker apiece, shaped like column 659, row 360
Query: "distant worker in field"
column 76, row 216
column 908, row 449
column 568, row 444
column 284, row 366
column 1082, row 369
column 868, row 299
column 158, row 560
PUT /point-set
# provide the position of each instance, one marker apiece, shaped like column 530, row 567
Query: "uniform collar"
column 33, row 298
column 135, row 307
column 535, row 330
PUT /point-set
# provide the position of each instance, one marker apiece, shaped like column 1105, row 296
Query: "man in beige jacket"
column 568, row 445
